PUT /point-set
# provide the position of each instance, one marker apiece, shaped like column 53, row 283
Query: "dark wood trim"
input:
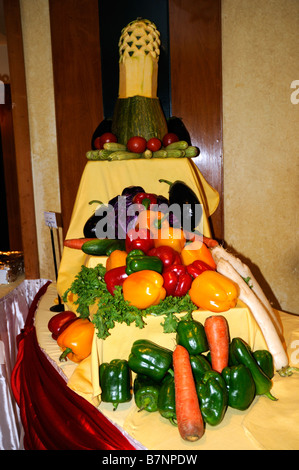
column 78, row 90
column 196, row 82
column 10, row 173
column 21, row 137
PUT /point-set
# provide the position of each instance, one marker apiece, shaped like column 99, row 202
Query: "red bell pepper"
column 177, row 281
column 139, row 240
column 145, row 198
column 198, row 267
column 60, row 322
column 167, row 255
column 115, row 277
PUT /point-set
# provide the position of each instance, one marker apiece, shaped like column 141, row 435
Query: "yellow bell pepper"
column 173, row 237
column 76, row 340
column 197, row 250
column 116, row 259
column 213, row 291
column 144, row 288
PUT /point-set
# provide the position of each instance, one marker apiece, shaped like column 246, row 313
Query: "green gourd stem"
column 165, row 181
column 158, row 223
column 269, row 395
column 146, row 202
column 95, row 201
column 62, row 356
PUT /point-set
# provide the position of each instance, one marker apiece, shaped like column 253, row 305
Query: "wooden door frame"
column 22, row 137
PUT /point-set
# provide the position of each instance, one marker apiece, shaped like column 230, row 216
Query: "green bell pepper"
column 265, row 360
column 213, row 397
column 243, row 355
column 166, row 399
column 146, row 393
column 191, row 335
column 115, row 382
column 137, row 260
column 200, row 365
column 232, row 361
column 240, row 386
column 150, row 359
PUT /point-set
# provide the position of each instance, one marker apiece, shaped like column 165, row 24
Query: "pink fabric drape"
column 54, row 417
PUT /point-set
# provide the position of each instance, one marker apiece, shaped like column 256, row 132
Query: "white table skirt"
column 14, row 308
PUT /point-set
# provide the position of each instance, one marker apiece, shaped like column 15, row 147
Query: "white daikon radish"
column 261, row 316
column 245, row 272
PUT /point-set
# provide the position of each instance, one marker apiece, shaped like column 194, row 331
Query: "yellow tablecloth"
column 265, row 425
column 104, row 180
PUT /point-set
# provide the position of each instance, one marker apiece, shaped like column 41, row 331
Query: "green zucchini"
column 102, row 246
column 191, row 151
column 175, row 153
column 114, row 146
column 160, row 153
column 180, row 145
column 98, row 154
column 124, row 155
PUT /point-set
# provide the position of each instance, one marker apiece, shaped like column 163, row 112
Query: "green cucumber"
column 102, row 246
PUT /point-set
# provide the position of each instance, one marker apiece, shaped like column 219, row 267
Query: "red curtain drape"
column 54, row 417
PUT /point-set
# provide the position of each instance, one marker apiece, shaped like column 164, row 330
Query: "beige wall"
column 261, row 144
column 39, row 80
column 261, row 156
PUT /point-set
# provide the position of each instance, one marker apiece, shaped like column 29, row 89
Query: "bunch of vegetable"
column 108, row 148
column 150, row 273
column 193, row 385
column 152, row 270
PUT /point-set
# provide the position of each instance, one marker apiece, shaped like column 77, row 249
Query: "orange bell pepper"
column 197, row 250
column 116, row 259
column 173, row 237
column 76, row 340
column 144, row 288
column 213, row 291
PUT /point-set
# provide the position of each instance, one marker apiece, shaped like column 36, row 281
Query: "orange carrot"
column 216, row 329
column 188, row 414
column 76, row 243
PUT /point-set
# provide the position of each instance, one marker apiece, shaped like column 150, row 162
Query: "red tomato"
column 97, row 142
column 169, row 139
column 154, row 144
column 107, row 137
column 136, row 144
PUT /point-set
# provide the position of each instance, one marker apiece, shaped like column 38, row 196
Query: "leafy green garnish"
column 90, row 288
column 247, row 280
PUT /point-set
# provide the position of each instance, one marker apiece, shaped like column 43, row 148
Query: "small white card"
column 50, row 219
